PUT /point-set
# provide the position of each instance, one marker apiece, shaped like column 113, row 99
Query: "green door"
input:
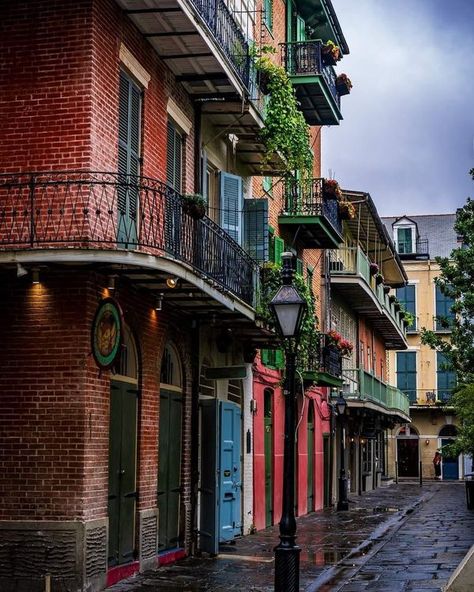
column 122, row 472
column 268, row 438
column 169, row 471
column 310, row 504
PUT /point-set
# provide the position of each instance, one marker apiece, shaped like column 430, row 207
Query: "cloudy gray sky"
column 408, row 131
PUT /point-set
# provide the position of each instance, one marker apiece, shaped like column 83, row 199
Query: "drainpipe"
column 195, row 330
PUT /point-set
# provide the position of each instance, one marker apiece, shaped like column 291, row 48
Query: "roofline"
column 335, row 21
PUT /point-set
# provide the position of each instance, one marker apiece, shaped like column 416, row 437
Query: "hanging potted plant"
column 346, row 210
column 330, row 53
column 392, row 298
column 396, row 305
column 195, row 205
column 373, row 268
column 331, row 189
column 378, row 279
column 386, row 289
column 343, row 84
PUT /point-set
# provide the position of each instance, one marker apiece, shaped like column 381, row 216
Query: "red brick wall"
column 371, row 339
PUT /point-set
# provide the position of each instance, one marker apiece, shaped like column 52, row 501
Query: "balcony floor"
column 317, row 104
column 314, row 232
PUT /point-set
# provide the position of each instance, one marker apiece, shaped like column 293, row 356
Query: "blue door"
column 230, row 480
column 450, row 468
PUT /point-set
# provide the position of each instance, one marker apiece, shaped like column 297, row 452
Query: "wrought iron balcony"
column 324, row 366
column 421, row 249
column 95, row 210
column 310, row 214
column 430, row 397
column 314, row 82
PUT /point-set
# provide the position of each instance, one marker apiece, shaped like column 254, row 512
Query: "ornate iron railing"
column 307, row 198
column 421, row 249
column 227, row 33
column 325, row 358
column 110, row 211
column 303, row 58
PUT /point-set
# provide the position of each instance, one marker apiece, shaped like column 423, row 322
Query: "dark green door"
column 310, row 504
column 327, row 470
column 268, row 437
column 122, row 472
column 169, row 471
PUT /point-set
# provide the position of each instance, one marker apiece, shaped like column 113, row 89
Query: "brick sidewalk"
column 332, row 543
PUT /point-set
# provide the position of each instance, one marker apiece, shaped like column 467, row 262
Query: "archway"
column 449, row 464
column 408, row 451
column 123, row 454
column 169, row 460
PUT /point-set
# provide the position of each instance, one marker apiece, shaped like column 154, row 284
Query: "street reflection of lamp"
column 289, row 309
column 342, row 503
column 35, row 276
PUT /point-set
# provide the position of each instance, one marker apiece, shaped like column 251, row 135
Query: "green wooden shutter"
column 443, row 310
column 406, row 296
column 130, row 98
column 256, row 228
column 406, row 373
column 404, row 240
column 445, row 377
column 278, row 249
column 268, row 13
column 231, row 204
column 299, row 267
column 300, row 29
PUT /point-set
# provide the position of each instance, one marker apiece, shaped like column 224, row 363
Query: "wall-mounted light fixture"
column 111, row 282
column 20, row 270
column 35, row 276
column 172, row 282
column 159, row 301
column 427, row 441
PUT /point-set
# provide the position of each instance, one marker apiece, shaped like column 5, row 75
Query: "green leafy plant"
column 331, row 53
column 309, row 336
column 195, row 205
column 285, row 131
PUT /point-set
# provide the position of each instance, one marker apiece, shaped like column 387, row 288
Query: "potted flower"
column 386, row 289
column 330, row 53
column 396, row 305
column 343, row 84
column 346, row 210
column 373, row 268
column 195, row 205
column 331, row 189
column 345, row 347
column 392, row 298
column 378, row 279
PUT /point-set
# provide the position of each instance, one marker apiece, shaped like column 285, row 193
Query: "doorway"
column 123, row 455
column 310, row 472
column 408, row 452
column 449, row 464
column 268, row 443
column 169, row 460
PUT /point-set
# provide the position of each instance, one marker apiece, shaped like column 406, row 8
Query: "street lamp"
column 342, row 503
column 289, row 309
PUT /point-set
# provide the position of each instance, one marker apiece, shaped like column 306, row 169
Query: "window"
column 268, row 13
column 406, row 374
column 445, row 377
column 444, row 315
column 406, row 296
column 231, row 204
column 267, row 185
column 404, row 240
column 256, row 228
column 174, row 157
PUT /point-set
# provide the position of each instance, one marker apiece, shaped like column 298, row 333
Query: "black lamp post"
column 342, row 503
column 289, row 309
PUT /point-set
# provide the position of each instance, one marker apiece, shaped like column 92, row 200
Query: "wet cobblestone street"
column 399, row 538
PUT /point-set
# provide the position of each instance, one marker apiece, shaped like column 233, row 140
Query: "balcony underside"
column 313, row 232
column 376, row 408
column 195, row 298
column 317, row 103
column 321, row 379
column 363, row 301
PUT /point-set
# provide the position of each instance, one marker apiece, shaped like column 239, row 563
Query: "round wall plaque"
column 107, row 333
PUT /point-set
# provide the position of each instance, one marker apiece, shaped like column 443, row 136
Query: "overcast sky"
column 408, row 131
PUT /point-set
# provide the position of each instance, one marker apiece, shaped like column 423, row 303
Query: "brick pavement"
column 402, row 534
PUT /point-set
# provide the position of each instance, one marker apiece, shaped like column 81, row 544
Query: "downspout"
column 195, row 330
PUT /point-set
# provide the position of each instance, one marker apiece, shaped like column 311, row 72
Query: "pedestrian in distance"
column 437, row 464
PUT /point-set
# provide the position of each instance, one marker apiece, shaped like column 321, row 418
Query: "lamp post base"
column 287, row 568
column 342, row 504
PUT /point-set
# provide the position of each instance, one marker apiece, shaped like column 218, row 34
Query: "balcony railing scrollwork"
column 101, row 210
column 227, row 33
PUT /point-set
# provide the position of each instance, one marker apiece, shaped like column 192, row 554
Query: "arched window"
column 448, row 430
column 408, row 432
column 126, row 366
column 171, row 373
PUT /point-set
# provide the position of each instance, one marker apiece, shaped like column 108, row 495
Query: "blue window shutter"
column 231, row 204
column 256, row 228
column 443, row 309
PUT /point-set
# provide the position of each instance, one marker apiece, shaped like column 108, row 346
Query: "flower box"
column 343, row 84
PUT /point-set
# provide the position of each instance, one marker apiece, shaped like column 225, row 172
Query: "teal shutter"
column 299, row 267
column 406, row 296
column 443, row 310
column 404, row 240
column 256, row 228
column 445, row 377
column 128, row 159
column 268, row 13
column 231, row 204
column 300, row 29
column 406, row 373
